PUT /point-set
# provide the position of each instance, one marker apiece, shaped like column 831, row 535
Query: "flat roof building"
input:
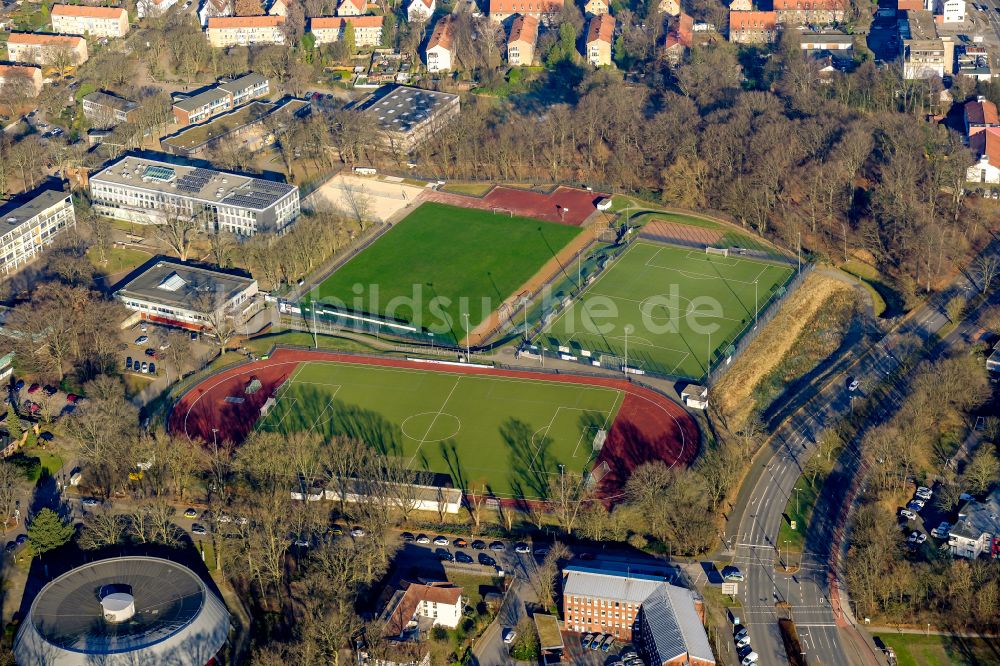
column 90, row 21
column 124, row 610
column 29, row 224
column 104, row 110
column 246, row 126
column 178, row 294
column 220, row 98
column 925, row 54
column 42, row 49
column 408, row 116
column 147, row 191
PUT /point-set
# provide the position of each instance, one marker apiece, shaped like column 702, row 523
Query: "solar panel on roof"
column 200, row 172
column 163, row 174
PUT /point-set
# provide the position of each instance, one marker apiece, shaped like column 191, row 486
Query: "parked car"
column 141, row 340
column 607, row 643
column 165, row 345
column 150, row 352
column 190, row 513
column 915, row 505
column 924, row 493
column 144, row 367
column 128, row 362
column 498, row 546
column 33, row 388
column 46, row 436
column 152, row 368
column 750, row 659
column 941, row 531
column 422, row 538
column 739, row 631
column 19, row 385
column 198, row 529
column 407, row 537
column 852, row 384
column 596, row 643
column 49, row 390
column 587, row 640
column 72, row 397
column 357, row 532
column 906, row 513
column 21, row 539
column 90, row 502
column 916, row 538
column 444, row 555
column 509, row 635
column 743, row 642
column 302, row 541
column 336, row 530
column 732, row 573
column 478, row 545
column 486, row 560
column 460, row 543
column 462, row 557
column 541, row 552
column 440, row 541
column 522, row 548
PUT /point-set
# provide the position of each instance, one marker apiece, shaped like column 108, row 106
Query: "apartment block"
column 522, row 40
column 148, row 191
column 753, row 27
column 329, row 29
column 42, row 49
column 27, row 79
column 925, row 53
column 225, row 96
column 104, row 110
column 90, row 21
column 28, row 225
column 600, row 37
column 544, row 10
column 226, row 31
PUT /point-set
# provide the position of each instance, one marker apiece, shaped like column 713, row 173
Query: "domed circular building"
column 127, row 610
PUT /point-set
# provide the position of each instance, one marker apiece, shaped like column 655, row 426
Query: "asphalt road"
column 755, row 542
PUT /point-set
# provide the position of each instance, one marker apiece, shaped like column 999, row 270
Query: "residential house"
column 422, row 606
column 220, row 98
column 245, row 30
column 26, row 79
column 544, row 10
column 680, row 38
column 438, row 53
column 214, row 8
column 352, row 7
column 925, row 53
column 103, row 110
column 90, row 21
column 670, row 7
column 753, row 27
column 522, row 40
column 329, row 29
column 42, row 49
column 146, row 8
column 600, row 37
column 802, row 12
column 974, row 62
column 420, row 10
column 980, row 114
column 665, row 622
column 278, row 8
column 985, row 145
column 30, row 224
column 977, row 531
column 595, row 8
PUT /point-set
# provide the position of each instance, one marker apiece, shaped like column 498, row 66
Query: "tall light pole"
column 625, row 368
column 524, row 306
column 756, row 303
column 800, row 252
column 468, row 353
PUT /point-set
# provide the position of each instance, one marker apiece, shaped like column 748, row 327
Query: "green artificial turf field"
column 675, row 303
column 469, row 260
column 511, row 434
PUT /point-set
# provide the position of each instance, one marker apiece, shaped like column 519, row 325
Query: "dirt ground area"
column 565, row 205
column 734, row 392
column 685, row 234
column 382, row 198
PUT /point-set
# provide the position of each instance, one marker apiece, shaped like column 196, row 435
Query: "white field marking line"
column 703, row 256
column 430, row 427
column 583, row 435
column 704, row 276
column 492, row 378
column 655, row 255
column 614, row 407
column 286, row 412
column 329, row 404
column 552, row 420
column 684, row 358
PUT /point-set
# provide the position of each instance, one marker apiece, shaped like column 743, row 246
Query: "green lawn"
column 942, row 650
column 676, row 305
column 443, row 261
column 799, row 508
column 120, row 260
column 471, row 189
column 508, row 433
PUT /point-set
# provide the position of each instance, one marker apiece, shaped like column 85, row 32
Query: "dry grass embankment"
column 736, row 393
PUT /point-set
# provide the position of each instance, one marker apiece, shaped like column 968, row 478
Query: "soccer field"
column 673, row 306
column 508, row 433
column 443, row 261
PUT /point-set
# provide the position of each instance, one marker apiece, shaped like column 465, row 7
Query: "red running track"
column 648, row 426
column 564, row 205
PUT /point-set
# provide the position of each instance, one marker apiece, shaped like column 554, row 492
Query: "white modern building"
column 147, row 191
column 985, row 145
column 438, row 53
column 977, row 531
column 429, row 604
column 420, row 10
column 28, row 226
column 179, row 294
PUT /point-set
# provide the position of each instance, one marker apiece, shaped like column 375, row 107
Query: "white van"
column 750, row 659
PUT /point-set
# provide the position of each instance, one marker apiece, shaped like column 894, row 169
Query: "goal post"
column 724, row 251
column 498, row 209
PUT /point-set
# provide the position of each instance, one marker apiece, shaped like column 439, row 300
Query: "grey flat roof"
column 980, row 517
column 209, row 185
column 180, row 285
column 402, row 108
column 828, row 37
column 19, row 211
column 633, row 588
column 201, row 99
column 115, row 102
column 245, row 81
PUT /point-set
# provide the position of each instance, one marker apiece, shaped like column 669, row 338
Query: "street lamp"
column 468, row 334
